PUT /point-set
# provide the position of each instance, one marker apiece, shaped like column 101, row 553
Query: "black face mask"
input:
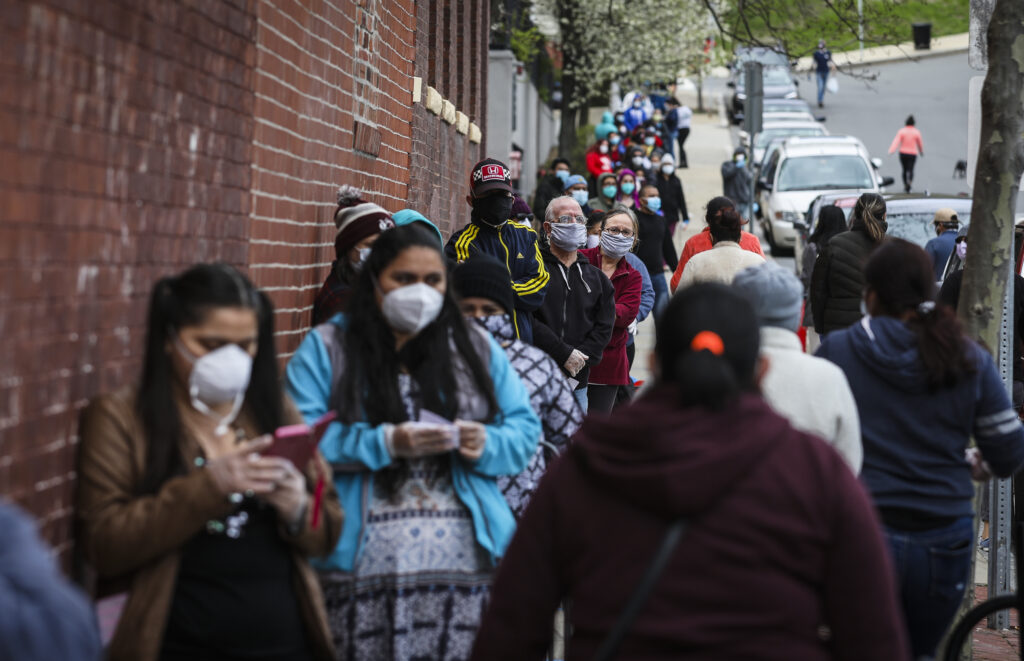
column 493, row 209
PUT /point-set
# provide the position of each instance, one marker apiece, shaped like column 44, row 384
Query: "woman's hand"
column 472, row 438
column 289, row 496
column 236, row 472
column 417, row 439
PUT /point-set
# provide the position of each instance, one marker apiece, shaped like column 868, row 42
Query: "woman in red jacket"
column 908, row 142
column 619, row 232
column 781, row 558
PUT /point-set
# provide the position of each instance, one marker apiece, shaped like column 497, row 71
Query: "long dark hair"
column 901, row 276
column 869, row 216
column 703, row 377
column 726, row 226
column 831, row 221
column 185, row 300
column 369, row 388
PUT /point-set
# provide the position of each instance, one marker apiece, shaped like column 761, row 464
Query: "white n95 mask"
column 217, row 377
column 412, row 308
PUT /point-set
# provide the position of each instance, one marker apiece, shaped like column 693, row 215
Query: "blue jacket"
column 646, row 290
column 356, row 451
column 939, row 249
column 515, row 245
column 914, row 440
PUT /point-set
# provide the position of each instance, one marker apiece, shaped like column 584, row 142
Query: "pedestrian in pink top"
column 908, row 141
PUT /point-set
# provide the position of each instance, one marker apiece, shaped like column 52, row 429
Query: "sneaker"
column 984, row 544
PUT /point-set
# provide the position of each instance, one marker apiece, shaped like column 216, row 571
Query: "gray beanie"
column 776, row 294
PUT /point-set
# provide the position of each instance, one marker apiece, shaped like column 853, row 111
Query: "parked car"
column 787, row 105
column 800, row 170
column 778, row 84
column 772, row 129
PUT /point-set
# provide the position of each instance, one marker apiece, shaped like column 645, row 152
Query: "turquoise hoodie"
column 355, row 451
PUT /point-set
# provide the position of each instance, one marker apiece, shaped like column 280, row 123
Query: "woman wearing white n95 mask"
column 430, row 414
column 175, row 499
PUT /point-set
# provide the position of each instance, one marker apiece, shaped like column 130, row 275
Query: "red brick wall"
column 125, row 132
column 137, row 138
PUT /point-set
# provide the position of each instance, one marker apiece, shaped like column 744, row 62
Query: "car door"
column 764, row 197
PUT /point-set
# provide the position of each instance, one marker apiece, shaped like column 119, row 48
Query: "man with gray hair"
column 574, row 323
column 810, row 392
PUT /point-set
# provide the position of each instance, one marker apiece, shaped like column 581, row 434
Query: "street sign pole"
column 753, row 112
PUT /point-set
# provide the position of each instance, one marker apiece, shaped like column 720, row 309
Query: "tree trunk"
column 567, row 131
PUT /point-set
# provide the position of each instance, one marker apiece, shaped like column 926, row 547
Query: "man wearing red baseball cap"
column 491, row 231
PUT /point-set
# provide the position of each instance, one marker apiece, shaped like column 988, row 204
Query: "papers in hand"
column 431, row 420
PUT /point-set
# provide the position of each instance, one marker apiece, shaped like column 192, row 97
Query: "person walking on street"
column 908, row 142
column 940, row 248
column 430, row 413
column 810, row 392
column 736, row 182
column 359, row 224
column 486, row 298
column 776, row 537
column 619, row 232
column 575, row 322
column 551, row 185
column 491, row 232
column 685, row 119
column 726, row 257
column 702, row 241
column 823, row 66
column 607, row 191
column 655, row 248
column 837, row 284
column 181, row 497
column 670, row 189
column 923, row 390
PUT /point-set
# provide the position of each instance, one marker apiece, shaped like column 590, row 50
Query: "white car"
column 800, row 170
column 772, row 129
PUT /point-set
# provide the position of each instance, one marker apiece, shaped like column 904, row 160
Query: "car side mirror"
column 876, row 162
column 731, row 84
column 820, row 118
column 799, row 226
column 762, row 185
column 887, row 181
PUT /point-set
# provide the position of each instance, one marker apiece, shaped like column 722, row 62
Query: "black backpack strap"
column 642, row 591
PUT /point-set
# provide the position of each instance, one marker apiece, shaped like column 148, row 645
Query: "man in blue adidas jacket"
column 491, row 232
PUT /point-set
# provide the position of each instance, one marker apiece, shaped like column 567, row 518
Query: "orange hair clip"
column 708, row 341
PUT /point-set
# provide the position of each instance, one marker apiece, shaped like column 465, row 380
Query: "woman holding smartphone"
column 430, row 414
column 175, row 498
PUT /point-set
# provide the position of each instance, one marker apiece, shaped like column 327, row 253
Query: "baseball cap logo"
column 493, row 173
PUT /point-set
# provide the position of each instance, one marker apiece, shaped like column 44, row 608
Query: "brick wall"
column 140, row 136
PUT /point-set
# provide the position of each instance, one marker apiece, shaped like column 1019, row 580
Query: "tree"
column 625, row 41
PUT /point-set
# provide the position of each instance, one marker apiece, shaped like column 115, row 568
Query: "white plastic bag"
column 832, row 85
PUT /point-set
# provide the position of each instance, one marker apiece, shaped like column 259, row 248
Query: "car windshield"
column 824, row 173
column 775, row 77
column 917, row 227
column 766, row 136
column 775, row 106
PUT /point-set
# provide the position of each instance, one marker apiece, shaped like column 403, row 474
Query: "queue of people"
column 449, row 458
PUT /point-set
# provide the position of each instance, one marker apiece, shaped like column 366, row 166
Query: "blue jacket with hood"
column 914, row 439
column 356, row 451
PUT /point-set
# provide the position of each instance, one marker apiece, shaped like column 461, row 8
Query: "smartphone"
column 298, row 443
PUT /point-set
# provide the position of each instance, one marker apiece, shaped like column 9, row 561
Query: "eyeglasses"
column 579, row 220
column 615, row 231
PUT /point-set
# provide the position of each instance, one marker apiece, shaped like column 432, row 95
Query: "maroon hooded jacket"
column 782, row 540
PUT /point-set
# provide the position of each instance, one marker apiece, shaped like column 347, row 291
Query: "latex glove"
column 419, row 439
column 577, row 360
column 472, row 438
column 980, row 470
column 633, row 327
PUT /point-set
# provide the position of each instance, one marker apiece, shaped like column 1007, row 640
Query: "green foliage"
column 526, row 43
column 578, row 155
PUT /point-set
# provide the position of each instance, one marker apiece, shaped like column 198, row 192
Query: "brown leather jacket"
column 139, row 538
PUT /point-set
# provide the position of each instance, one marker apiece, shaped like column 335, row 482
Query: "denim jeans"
column 932, row 569
column 581, row 398
column 822, row 79
column 661, row 294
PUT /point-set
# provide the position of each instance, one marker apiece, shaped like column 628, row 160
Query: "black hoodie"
column 782, row 540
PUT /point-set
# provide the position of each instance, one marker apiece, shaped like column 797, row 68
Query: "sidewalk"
column 953, row 43
column 707, row 147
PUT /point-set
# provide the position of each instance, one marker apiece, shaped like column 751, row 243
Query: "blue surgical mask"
column 581, row 197
column 649, row 141
column 563, row 175
column 654, row 203
column 609, row 191
column 615, row 246
column 614, row 140
column 628, row 188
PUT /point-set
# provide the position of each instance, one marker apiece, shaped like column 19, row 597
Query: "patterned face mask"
column 499, row 326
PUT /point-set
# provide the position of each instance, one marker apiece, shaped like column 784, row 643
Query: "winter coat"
column 655, row 248
column 552, row 400
column 811, row 393
column 939, row 249
column 673, row 202
column 646, row 293
column 597, row 164
column 333, row 296
column 837, row 284
column 914, row 438
column 950, row 295
column 907, row 141
column 577, row 313
column 139, row 538
column 42, row 615
column 700, row 242
column 548, row 189
column 613, row 370
column 516, row 246
column 781, row 541
column 736, row 182
column 356, row 451
column 720, row 264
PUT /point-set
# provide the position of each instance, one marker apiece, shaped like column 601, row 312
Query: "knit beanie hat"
column 410, row 216
column 776, row 294
column 357, row 219
column 482, row 275
column 574, row 180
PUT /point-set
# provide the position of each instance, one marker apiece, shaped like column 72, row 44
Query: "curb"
column 902, row 52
